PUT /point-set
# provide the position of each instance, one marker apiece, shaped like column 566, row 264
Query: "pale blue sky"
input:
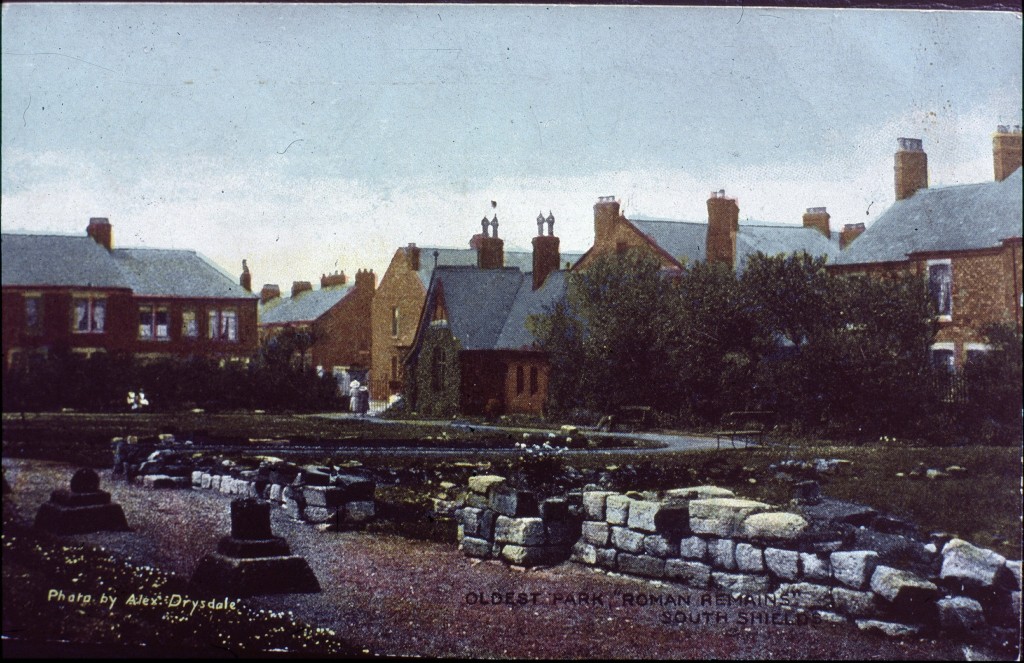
column 310, row 138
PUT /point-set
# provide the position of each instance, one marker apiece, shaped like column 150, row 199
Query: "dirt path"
column 402, row 597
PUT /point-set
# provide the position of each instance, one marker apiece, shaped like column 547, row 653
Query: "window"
column 33, row 314
column 944, row 357
column 940, row 286
column 534, row 382
column 223, row 324
column 394, row 321
column 976, row 351
column 154, row 323
column 90, row 314
column 189, row 324
column 519, row 379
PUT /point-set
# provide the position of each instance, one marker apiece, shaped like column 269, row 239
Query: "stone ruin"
column 83, row 509
column 252, row 561
column 843, row 562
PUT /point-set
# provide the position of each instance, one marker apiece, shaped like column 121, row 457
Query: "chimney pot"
column 245, row 280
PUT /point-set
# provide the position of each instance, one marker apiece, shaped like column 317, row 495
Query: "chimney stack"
column 102, row 233
column 490, row 253
column 245, row 280
column 817, row 218
column 851, row 231
column 723, row 224
column 413, row 253
column 1006, row 143
column 911, row 167
column 545, row 250
column 299, row 287
column 268, row 292
column 606, row 219
column 366, row 280
column 332, row 280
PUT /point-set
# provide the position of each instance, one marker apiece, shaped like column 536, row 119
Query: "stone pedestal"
column 83, row 509
column 252, row 561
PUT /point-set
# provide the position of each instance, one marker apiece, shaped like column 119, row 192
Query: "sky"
column 314, row 138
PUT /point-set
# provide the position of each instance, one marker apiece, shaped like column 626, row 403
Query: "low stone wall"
column 501, row 522
column 707, row 538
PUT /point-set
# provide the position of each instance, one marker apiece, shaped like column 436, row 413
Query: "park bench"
column 635, row 416
column 746, row 426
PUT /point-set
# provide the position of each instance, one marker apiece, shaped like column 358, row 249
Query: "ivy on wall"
column 438, row 375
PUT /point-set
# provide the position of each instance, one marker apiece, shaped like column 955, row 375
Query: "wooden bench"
column 747, row 426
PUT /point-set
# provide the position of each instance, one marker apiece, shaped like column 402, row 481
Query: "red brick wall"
column 344, row 334
column 525, row 400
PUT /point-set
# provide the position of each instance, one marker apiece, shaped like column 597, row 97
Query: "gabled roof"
column 523, row 260
column 79, row 262
column 954, row 218
column 528, row 302
column 686, row 241
column 305, row 307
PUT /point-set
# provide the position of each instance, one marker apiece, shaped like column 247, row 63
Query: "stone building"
column 82, row 294
column 473, row 351
column 965, row 240
column 336, row 317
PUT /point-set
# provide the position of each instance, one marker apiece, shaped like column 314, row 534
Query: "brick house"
column 965, row 240
column 723, row 239
column 337, row 316
column 84, row 295
column 398, row 303
column 473, row 351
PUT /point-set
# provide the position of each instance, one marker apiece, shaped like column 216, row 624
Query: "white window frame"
column 945, row 346
column 153, row 330
column 222, row 324
column 942, row 317
column 94, row 304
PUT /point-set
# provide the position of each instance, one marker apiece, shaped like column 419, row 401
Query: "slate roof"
column 488, row 308
column 467, row 258
column 306, row 307
column 954, row 218
column 686, row 241
column 176, row 273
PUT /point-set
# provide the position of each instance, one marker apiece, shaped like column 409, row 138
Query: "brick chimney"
column 491, row 252
column 332, row 280
column 101, row 231
column 723, row 224
column 412, row 252
column 1006, row 144
column 268, row 292
column 606, row 219
column 245, row 280
column 299, row 287
column 911, row 167
column 817, row 218
column 851, row 231
column 366, row 280
column 545, row 250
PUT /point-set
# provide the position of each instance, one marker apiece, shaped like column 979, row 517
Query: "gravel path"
column 401, row 597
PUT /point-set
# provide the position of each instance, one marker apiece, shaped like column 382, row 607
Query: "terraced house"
column 82, row 294
column 965, row 240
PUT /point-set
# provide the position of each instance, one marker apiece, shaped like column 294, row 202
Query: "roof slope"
column 58, row 260
column 176, row 273
column 478, row 302
column 305, row 307
column 955, row 218
column 523, row 260
column 514, row 334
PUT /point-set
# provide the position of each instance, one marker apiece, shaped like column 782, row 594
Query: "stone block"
column 641, row 565
column 749, row 559
column 783, row 563
column 902, row 588
column 478, row 501
column 830, row 617
column 659, row 546
column 561, row 532
column 776, row 526
column 554, row 508
column 226, row 484
column 1014, row 568
column 694, row 574
column 697, row 493
column 584, row 553
column 534, row 555
column 616, row 509
column 482, row 484
column 593, row 503
column 726, row 508
column 596, row 533
column 197, row 478
column 272, row 547
column 68, row 498
column 325, row 496
column 354, row 488
column 314, row 475
column 693, row 547
column 627, row 540
column 961, row 614
column 519, row 531
column 855, row 603
column 722, row 553
column 606, row 557
column 275, row 492
column 807, row 595
column 250, row 519
column 206, row 481
column 60, row 519
column 815, row 567
column 673, row 519
column 853, row 568
column 891, row 629
column 514, row 503
column 973, row 567
column 215, row 482
column 741, row 583
column 220, row 575
column 479, row 522
column 474, row 547
column 320, row 515
column 642, row 514
column 357, row 513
